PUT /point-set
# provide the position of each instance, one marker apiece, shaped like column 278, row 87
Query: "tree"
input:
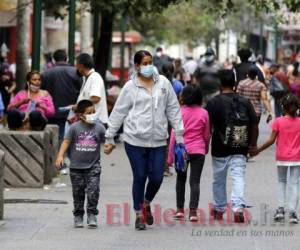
column 109, row 10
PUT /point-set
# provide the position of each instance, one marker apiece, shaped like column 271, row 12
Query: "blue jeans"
column 237, row 166
column 293, row 186
column 146, row 163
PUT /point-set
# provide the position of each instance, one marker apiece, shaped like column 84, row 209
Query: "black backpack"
column 237, row 121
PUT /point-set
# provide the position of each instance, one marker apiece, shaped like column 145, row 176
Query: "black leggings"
column 196, row 166
column 36, row 120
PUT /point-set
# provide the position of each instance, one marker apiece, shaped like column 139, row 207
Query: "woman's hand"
column 41, row 105
column 108, row 148
column 24, row 101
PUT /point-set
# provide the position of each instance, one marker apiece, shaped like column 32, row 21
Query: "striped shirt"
column 252, row 89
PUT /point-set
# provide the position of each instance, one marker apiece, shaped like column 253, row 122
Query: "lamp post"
column 36, row 41
column 72, row 20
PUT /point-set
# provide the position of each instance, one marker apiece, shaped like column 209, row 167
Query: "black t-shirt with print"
column 217, row 109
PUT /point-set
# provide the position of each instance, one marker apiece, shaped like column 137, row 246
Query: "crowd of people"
column 194, row 102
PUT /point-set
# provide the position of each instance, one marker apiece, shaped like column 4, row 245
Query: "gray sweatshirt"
column 145, row 115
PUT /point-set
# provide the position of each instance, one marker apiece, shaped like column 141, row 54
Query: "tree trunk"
column 22, row 43
column 85, row 29
column 103, row 48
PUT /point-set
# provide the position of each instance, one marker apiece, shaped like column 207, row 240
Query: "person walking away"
column 235, row 131
column 286, row 133
column 146, row 104
column 83, row 140
column 276, row 72
column 63, row 84
column 256, row 92
column 210, row 87
column 32, row 104
column 241, row 69
column 196, row 140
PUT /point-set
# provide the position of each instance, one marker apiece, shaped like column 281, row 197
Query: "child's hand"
column 253, row 151
column 108, row 148
column 58, row 162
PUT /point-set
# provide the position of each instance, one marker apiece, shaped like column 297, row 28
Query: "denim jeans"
column 146, row 163
column 293, row 186
column 237, row 166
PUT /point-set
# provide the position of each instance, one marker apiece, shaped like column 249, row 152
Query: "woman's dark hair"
column 290, row 104
column 296, row 69
column 253, row 72
column 191, row 95
column 31, row 73
column 86, row 60
column 29, row 76
column 138, row 57
column 83, row 105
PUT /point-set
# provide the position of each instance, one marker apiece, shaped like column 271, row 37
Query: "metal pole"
column 71, row 47
column 123, row 31
column 36, row 31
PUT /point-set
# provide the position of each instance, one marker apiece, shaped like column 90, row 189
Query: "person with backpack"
column 234, row 133
column 286, row 133
column 196, row 140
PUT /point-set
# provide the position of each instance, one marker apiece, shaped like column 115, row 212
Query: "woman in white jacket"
column 145, row 106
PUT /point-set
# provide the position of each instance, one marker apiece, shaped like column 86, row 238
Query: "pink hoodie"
column 196, row 131
column 46, row 100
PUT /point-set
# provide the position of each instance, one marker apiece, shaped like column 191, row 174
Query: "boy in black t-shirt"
column 235, row 131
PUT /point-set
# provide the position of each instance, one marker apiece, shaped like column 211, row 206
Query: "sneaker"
column 179, row 214
column 239, row 217
column 193, row 215
column 167, row 173
column 78, row 221
column 218, row 215
column 293, row 219
column 139, row 222
column 148, row 215
column 279, row 214
column 92, row 221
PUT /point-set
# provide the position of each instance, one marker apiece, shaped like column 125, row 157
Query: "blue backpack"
column 181, row 158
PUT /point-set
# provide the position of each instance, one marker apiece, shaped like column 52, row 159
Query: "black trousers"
column 85, row 181
column 196, row 167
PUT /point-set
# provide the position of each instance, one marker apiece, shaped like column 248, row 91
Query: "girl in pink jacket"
column 196, row 140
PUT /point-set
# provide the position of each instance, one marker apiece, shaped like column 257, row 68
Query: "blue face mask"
column 147, row 71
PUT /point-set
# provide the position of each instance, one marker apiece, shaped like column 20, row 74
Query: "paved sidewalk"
column 50, row 226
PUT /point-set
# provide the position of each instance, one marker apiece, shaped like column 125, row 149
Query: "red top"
column 288, row 138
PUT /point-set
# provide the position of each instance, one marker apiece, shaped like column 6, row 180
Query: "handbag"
column 181, row 158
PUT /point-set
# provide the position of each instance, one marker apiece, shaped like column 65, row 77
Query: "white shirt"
column 94, row 86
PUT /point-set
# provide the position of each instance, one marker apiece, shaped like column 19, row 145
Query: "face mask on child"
column 91, row 118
